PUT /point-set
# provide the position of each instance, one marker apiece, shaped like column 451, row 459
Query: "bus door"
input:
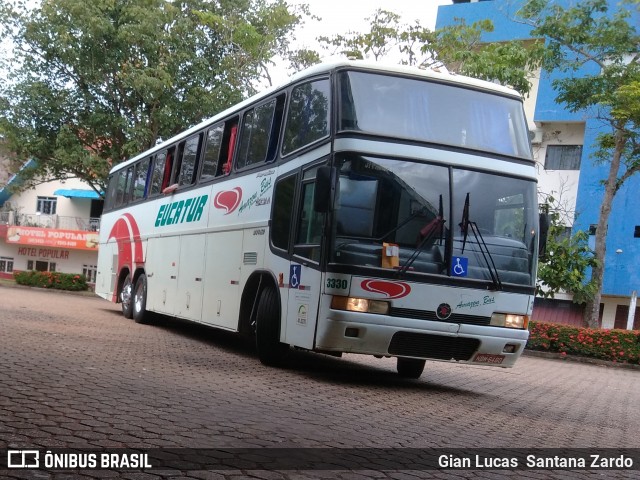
column 305, row 278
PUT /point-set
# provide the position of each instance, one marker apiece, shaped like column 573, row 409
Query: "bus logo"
column 228, row 200
column 443, row 311
column 388, row 289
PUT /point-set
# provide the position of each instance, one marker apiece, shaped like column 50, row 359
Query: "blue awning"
column 16, row 181
column 77, row 193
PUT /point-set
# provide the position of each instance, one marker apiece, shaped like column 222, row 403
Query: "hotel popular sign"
column 46, row 237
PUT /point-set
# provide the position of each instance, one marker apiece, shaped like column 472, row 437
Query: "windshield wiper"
column 465, row 226
column 428, row 232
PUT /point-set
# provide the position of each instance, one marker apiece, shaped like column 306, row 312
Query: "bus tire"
column 270, row 351
column 139, row 301
column 410, row 367
column 126, row 297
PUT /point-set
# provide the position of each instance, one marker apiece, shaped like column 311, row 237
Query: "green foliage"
column 460, row 48
column 565, row 262
column 622, row 346
column 376, row 43
column 457, row 47
column 597, row 48
column 94, row 83
column 56, row 280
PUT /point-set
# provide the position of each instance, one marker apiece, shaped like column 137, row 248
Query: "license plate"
column 488, row 358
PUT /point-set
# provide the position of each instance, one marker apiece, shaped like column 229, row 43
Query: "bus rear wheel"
column 125, row 297
column 410, row 367
column 140, row 314
column 270, row 351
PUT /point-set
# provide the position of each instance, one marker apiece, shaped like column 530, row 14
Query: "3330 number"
column 337, row 283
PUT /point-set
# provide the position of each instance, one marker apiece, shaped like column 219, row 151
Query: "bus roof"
column 319, row 69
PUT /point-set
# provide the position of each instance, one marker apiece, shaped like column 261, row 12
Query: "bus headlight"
column 364, row 305
column 509, row 320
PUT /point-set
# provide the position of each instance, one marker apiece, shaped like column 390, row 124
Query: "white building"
column 51, row 227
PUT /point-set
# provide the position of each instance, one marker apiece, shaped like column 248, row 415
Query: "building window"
column 636, row 231
column 563, row 157
column 47, row 205
column 89, row 271
column 41, row 266
column 6, row 264
column 592, row 229
column 564, row 234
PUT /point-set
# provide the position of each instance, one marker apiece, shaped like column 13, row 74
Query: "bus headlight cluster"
column 364, row 305
column 509, row 320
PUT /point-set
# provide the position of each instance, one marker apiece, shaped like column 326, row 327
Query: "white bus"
column 358, row 208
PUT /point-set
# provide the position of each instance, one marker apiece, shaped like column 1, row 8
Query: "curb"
column 577, row 359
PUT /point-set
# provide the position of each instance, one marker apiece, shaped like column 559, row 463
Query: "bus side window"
column 276, row 125
column 147, row 184
column 157, row 173
column 283, row 200
column 212, row 152
column 307, row 116
column 168, row 164
column 231, row 147
column 189, row 159
column 110, row 200
column 140, row 179
column 127, row 184
column 259, row 135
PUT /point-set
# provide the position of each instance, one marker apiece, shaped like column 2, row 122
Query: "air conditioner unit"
column 536, row 136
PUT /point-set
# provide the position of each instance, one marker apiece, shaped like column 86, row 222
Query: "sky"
column 343, row 16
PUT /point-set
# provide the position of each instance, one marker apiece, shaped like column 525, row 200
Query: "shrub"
column 57, row 280
column 614, row 345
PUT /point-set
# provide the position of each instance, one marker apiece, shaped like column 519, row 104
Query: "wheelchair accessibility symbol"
column 459, row 266
column 295, row 272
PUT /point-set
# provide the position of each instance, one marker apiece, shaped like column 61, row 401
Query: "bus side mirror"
column 325, row 189
column 544, row 233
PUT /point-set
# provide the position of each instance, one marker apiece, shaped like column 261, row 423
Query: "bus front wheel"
column 125, row 297
column 410, row 367
column 139, row 302
column 270, row 351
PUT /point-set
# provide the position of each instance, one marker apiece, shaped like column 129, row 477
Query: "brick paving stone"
column 77, row 374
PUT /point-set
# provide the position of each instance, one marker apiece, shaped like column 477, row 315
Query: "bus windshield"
column 422, row 209
column 433, row 112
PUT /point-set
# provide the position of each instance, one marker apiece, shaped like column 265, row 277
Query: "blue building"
column 563, row 146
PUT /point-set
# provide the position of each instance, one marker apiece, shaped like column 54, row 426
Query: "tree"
column 590, row 35
column 94, row 83
column 563, row 265
column 458, row 48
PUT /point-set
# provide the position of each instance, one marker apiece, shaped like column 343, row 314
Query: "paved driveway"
column 74, row 373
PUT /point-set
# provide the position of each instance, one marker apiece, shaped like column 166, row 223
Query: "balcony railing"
column 91, row 224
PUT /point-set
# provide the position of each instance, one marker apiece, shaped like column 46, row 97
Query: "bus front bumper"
column 350, row 332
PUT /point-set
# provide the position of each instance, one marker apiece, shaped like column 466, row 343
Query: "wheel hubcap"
column 125, row 296
column 137, row 300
